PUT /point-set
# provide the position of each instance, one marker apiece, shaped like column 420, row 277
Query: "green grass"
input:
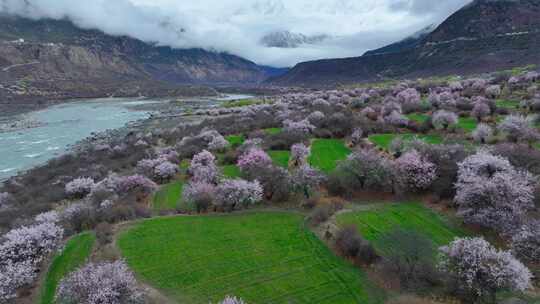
column 326, row 153
column 75, row 254
column 467, row 123
column 241, row 103
column 383, row 140
column 508, row 104
column 375, row 223
column 266, row 257
column 231, row 171
column 168, row 196
column 280, row 158
column 235, row 140
column 273, row 131
column 418, row 117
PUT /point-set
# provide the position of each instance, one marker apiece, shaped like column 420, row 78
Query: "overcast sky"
column 237, row 26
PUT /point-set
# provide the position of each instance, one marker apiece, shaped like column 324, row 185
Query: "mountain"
column 406, row 44
column 286, row 39
column 56, row 59
column 483, row 36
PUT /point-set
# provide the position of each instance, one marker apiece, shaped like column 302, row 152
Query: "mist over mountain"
column 483, row 36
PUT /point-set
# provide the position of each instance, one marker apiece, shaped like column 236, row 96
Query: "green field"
column 235, row 140
column 280, row 158
column 375, row 223
column 418, row 117
column 75, row 254
column 507, row 104
column 241, row 103
column 383, row 140
column 326, row 153
column 273, row 131
column 168, row 196
column 467, row 123
column 231, row 171
column 266, row 257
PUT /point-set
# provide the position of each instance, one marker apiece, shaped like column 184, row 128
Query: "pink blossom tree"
column 299, row 154
column 396, row 119
column 480, row 110
column 305, row 179
column 100, row 283
column 517, row 128
column 203, row 168
column 165, row 171
column 443, row 119
column 5, row 200
column 481, row 270
column 253, row 160
column 490, row 192
column 197, row 196
column 235, row 193
column 137, row 182
column 232, row 300
column 303, row 127
column 482, row 133
column 493, row 91
column 356, row 136
column 414, row 171
column 21, row 252
column 79, row 187
column 526, row 241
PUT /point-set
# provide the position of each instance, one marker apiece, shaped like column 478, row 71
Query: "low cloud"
column 237, row 26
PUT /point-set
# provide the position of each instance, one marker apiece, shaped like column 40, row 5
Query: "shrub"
column 323, row 212
column 443, row 119
column 132, row 183
column 356, row 136
column 414, row 171
column 480, row 270
column 526, row 241
column 100, row 283
column 197, row 196
column 234, row 193
column 79, row 187
column 490, row 192
column 411, row 256
column 352, row 245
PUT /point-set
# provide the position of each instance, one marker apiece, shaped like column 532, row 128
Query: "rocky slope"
column 54, row 59
column 483, row 36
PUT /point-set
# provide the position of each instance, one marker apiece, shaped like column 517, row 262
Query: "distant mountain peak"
column 287, row 39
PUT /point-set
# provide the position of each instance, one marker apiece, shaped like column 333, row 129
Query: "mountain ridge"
column 54, row 59
column 462, row 44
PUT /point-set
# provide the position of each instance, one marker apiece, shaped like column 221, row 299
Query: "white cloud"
column 236, row 26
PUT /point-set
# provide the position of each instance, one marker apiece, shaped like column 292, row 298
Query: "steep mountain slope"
column 483, row 36
column 406, row 44
column 56, row 59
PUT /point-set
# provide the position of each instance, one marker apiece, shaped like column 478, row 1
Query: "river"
column 58, row 127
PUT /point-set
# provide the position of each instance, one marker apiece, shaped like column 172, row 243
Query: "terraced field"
column 280, row 158
column 266, row 257
column 326, row 153
column 383, row 141
column 373, row 224
column 75, row 253
column 168, row 196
